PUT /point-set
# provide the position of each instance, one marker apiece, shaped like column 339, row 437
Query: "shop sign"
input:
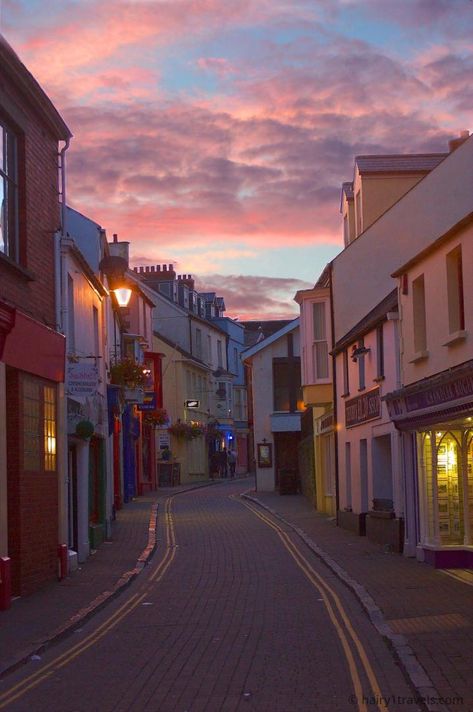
column 363, row 408
column 82, row 379
column 437, row 395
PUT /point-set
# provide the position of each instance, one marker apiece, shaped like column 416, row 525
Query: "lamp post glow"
column 123, row 295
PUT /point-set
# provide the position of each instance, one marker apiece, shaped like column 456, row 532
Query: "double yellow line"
column 337, row 615
column 112, row 621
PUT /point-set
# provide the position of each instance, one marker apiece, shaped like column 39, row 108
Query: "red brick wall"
column 32, row 507
column 39, row 208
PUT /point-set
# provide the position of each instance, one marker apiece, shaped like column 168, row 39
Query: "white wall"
column 362, row 272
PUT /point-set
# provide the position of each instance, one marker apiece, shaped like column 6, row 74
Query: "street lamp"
column 114, row 267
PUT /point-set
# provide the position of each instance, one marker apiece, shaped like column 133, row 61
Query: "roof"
column 12, row 65
column 257, row 330
column 290, row 326
column 407, row 163
column 374, row 317
column 187, row 355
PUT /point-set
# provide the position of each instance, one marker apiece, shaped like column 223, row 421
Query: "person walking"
column 231, row 462
column 223, row 463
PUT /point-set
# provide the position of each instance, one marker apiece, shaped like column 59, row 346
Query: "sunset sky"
column 215, row 134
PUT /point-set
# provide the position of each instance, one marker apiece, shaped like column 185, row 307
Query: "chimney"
column 454, row 143
column 187, row 279
column 119, row 249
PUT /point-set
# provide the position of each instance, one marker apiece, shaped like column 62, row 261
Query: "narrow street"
column 233, row 613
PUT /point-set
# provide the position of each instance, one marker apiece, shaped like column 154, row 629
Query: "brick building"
column 31, row 347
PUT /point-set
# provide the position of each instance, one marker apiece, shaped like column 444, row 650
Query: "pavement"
column 425, row 614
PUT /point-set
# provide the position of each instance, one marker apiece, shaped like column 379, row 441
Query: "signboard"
column 82, row 379
column 363, row 408
column 191, row 404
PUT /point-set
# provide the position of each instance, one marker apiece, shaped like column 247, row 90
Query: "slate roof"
column 408, row 163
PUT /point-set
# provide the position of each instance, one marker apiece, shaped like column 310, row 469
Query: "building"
column 434, row 407
column 432, row 196
column 317, row 447
column 276, row 406
column 33, row 495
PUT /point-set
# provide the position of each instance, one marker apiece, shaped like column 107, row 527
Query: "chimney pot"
column 165, row 268
column 170, row 268
column 115, row 237
column 152, row 268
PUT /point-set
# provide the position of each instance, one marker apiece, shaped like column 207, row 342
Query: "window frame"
column 11, row 183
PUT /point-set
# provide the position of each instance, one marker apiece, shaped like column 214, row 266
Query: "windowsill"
column 456, row 337
column 360, row 390
column 419, row 356
column 345, row 395
column 16, row 267
column 379, row 379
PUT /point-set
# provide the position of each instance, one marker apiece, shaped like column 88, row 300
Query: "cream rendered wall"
column 263, row 404
column 380, row 192
column 426, row 212
column 433, row 267
column 373, row 428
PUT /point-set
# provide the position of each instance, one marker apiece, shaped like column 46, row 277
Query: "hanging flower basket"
column 156, row 418
column 127, row 373
column 85, row 429
column 186, row 431
column 212, row 433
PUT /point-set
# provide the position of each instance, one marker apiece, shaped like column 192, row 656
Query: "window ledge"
column 15, row 267
column 419, row 356
column 455, row 338
column 345, row 395
column 379, row 379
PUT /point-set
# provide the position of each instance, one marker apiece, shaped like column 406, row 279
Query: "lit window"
column 39, row 426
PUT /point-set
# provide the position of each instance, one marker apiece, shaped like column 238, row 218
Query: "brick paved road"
column 233, row 624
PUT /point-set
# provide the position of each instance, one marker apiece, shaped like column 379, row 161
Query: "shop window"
column 419, row 322
column 9, row 223
column 440, row 465
column 469, row 482
column 456, row 310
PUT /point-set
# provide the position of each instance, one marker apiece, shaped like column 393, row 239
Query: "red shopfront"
column 34, row 366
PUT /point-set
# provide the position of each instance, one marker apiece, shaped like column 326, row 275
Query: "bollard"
column 5, row 583
column 62, row 561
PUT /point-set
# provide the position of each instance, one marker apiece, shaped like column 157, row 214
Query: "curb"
column 414, row 671
column 84, row 614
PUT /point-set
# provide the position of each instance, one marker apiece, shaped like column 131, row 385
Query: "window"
column 418, row 306
column 380, row 351
column 286, row 384
column 219, row 354
column 456, row 309
column 198, row 343
column 320, row 346
column 346, row 379
column 361, row 367
column 71, row 340
column 209, row 348
column 235, row 358
column 95, row 321
column 359, row 223
column 222, row 390
column 39, row 432
column 8, row 193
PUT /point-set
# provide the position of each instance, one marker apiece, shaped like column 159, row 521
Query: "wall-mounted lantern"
column 115, row 267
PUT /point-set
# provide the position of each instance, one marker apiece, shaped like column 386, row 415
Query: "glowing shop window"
column 49, row 429
column 449, row 491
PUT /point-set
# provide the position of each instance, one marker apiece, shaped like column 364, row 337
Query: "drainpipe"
column 59, row 266
column 334, row 380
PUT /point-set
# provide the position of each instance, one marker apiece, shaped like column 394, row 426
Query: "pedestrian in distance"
column 223, row 463
column 231, row 462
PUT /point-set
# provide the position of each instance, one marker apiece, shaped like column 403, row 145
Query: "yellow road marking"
column 322, row 586
column 64, row 659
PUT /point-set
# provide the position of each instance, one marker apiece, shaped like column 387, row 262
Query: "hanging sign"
column 82, row 379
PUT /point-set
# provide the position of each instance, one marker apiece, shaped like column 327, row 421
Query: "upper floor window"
column 8, row 193
column 346, row 376
column 198, row 343
column 320, row 345
column 380, row 351
column 456, row 307
column 361, row 366
column 359, row 221
column 219, row 354
column 287, row 384
column 418, row 308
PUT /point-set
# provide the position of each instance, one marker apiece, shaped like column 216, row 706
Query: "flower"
column 156, row 417
column 186, row 431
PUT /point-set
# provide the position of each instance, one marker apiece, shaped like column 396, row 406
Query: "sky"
column 215, row 134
